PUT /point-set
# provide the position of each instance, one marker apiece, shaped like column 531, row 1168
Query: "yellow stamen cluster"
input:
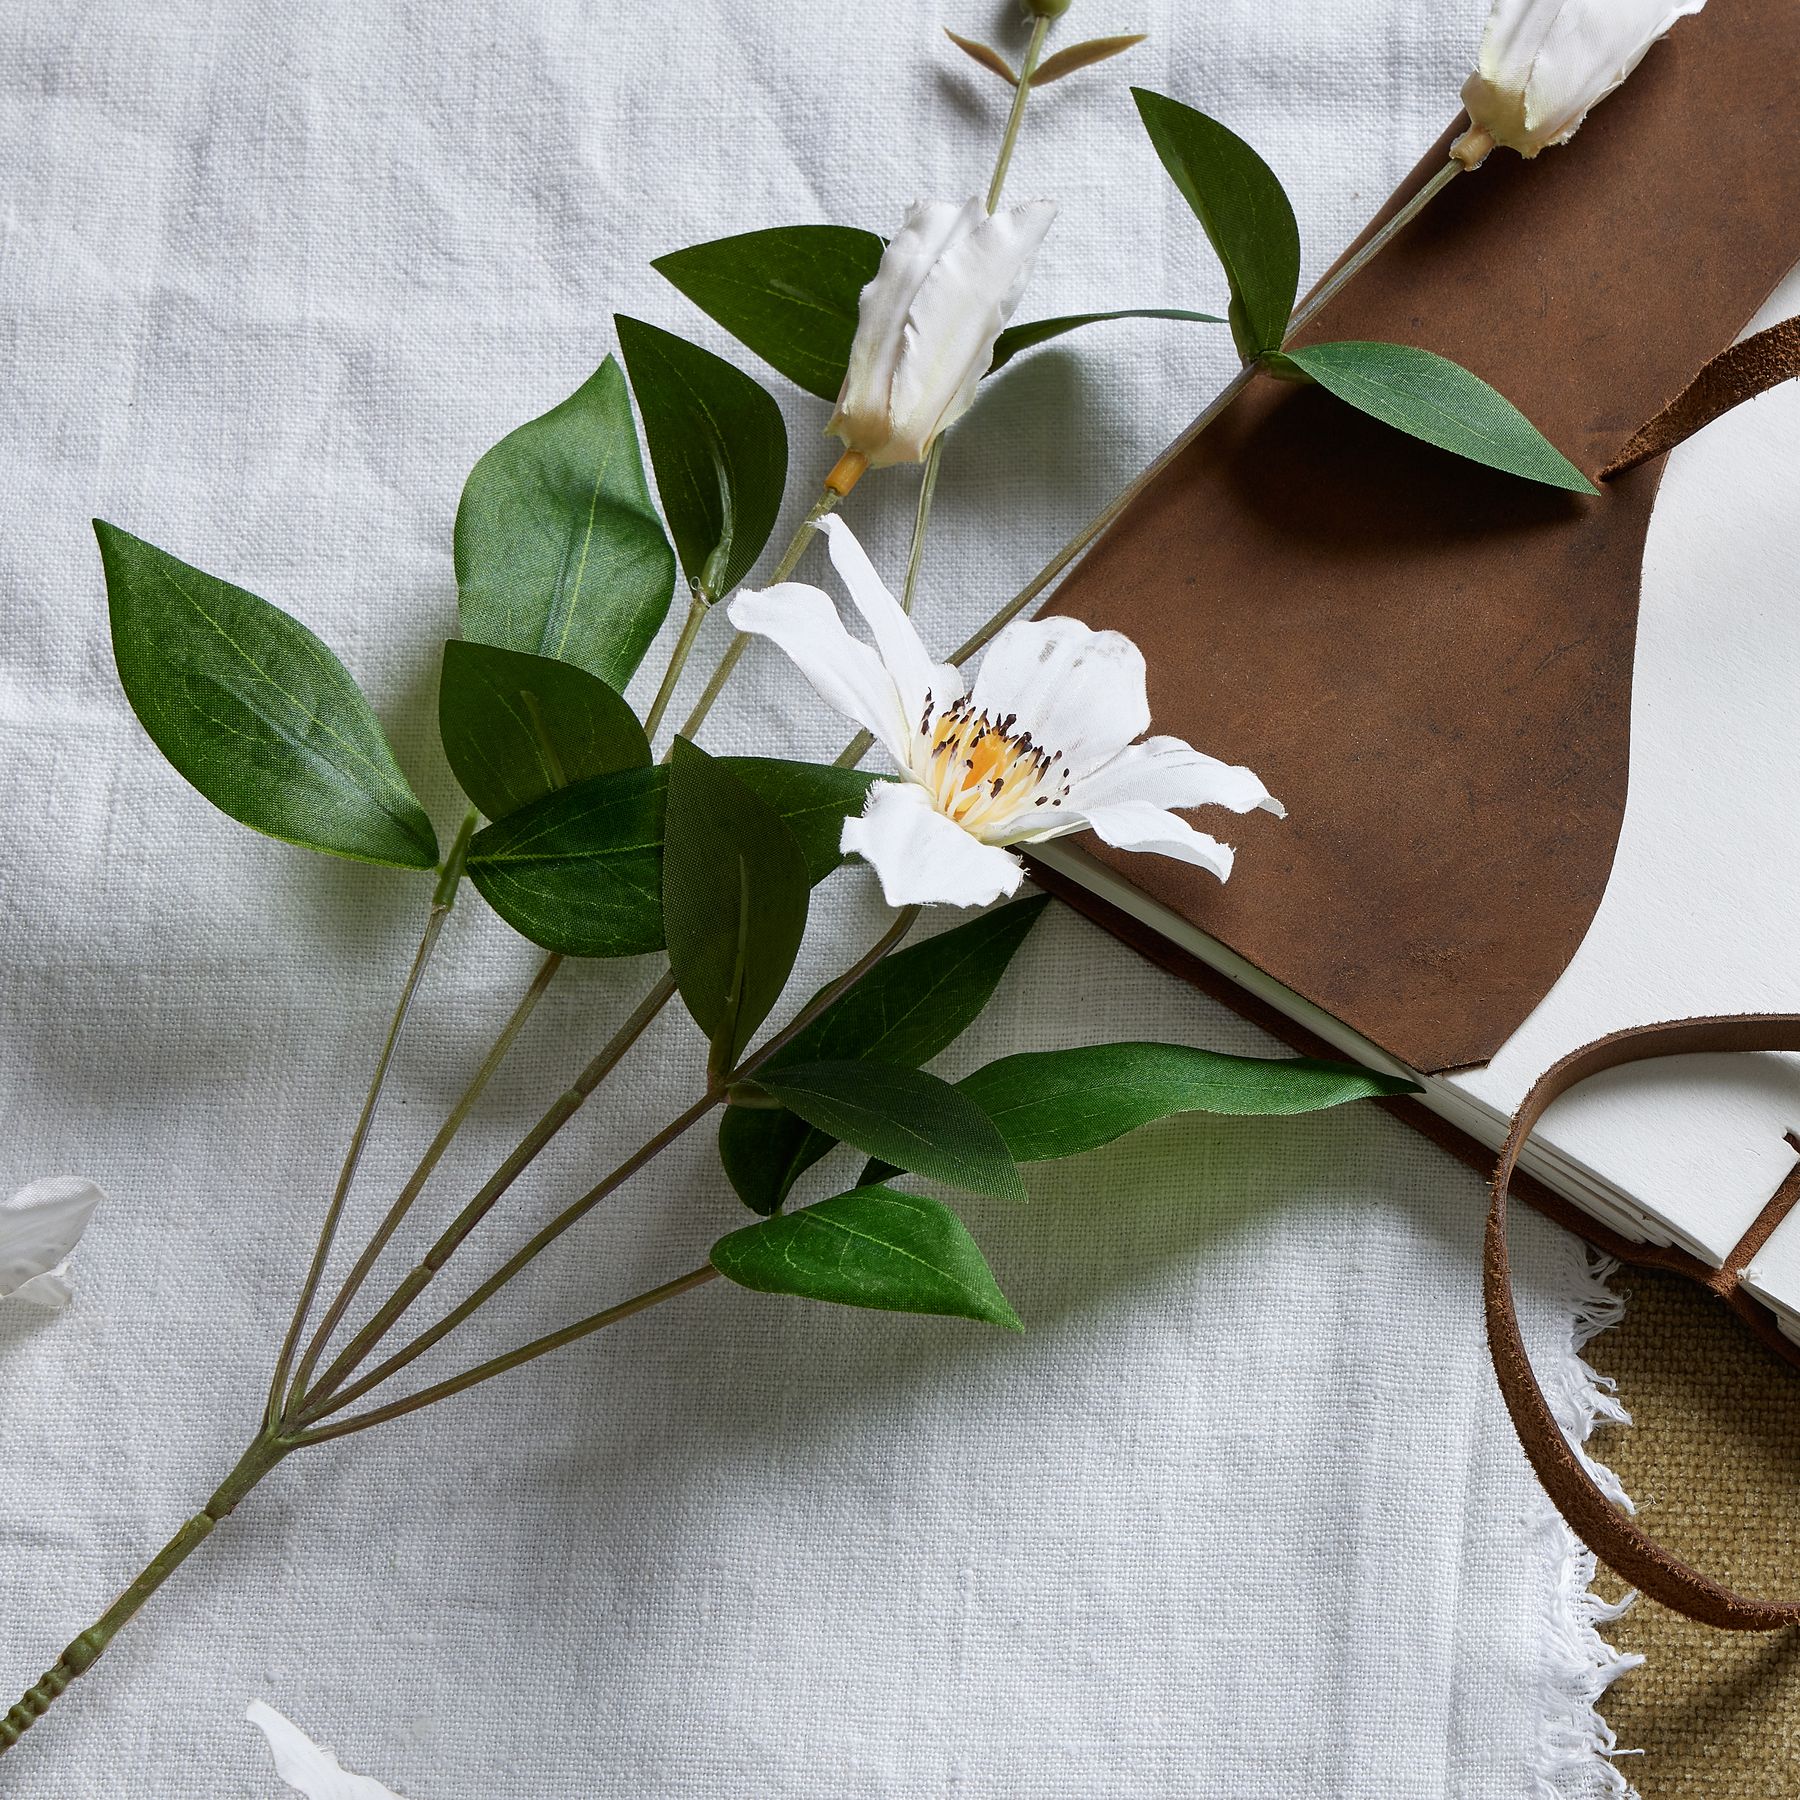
column 982, row 773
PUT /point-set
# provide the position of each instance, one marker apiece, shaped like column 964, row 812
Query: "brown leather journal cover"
column 1430, row 663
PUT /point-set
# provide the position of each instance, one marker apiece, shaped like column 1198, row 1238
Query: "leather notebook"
column 1540, row 752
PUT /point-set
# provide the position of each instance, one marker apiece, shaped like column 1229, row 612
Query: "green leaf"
column 909, row 1007
column 1051, row 1103
column 255, row 711
column 985, row 54
column 1083, row 56
column 580, row 871
column 1027, row 337
column 1237, row 198
column 720, row 450
column 516, row 727
column 559, row 551
column 735, row 892
column 788, row 294
column 1432, row 398
column 904, row 1116
column 872, row 1247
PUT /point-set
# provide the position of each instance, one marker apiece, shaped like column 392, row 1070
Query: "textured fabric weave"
column 1240, row 1516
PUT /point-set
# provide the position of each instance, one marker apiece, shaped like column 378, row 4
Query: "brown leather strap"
column 1732, row 377
column 1613, row 1536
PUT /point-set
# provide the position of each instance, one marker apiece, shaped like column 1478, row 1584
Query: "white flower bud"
column 1543, row 63
column 926, row 324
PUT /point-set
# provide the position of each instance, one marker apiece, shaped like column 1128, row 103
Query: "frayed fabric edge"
column 1576, row 1747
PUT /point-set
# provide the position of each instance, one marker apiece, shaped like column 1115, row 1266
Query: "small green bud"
column 1046, row 9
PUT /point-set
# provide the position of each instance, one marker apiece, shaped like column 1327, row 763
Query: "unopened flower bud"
column 1544, row 63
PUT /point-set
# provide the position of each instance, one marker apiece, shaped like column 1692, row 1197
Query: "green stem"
column 561, row 1111
column 84, row 1651
column 514, row 1359
column 1016, row 118
column 320, row 1407
column 921, row 519
column 734, row 652
column 698, row 607
column 443, row 898
column 1359, row 259
column 415, row 1184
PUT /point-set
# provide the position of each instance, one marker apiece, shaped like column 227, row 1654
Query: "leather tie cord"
column 1733, row 376
column 1613, row 1536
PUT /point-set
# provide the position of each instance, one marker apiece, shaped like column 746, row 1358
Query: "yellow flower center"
column 985, row 775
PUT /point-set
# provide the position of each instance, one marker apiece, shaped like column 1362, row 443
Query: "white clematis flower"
column 927, row 323
column 309, row 1768
column 1044, row 744
column 1544, row 63
column 40, row 1226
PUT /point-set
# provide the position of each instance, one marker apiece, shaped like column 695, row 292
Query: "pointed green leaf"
column 580, row 871
column 909, row 1007
column 1237, row 198
column 255, row 711
column 1429, row 397
column 904, row 1116
column 788, row 294
column 516, row 727
column 735, row 891
column 1038, row 331
column 1083, row 56
column 1051, row 1103
column 872, row 1247
column 559, row 551
column 719, row 448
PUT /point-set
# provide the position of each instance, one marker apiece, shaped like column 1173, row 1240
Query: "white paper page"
column 1699, row 915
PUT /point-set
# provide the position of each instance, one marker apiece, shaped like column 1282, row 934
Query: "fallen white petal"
column 1074, row 689
column 39, row 1226
column 1136, row 826
column 922, row 858
column 848, row 675
column 1164, row 771
column 310, row 1768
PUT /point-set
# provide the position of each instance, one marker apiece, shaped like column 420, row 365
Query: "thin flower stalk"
column 443, row 899
column 322, row 1403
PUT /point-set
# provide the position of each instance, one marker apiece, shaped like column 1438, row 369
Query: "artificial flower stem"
column 321, row 1406
column 81, row 1655
column 921, row 520
column 513, row 1359
column 1014, row 119
column 549, row 1124
column 1329, row 288
column 698, row 607
column 790, row 561
column 415, row 1183
column 442, row 900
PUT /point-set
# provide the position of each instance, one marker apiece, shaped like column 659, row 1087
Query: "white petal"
column 960, row 310
column 847, row 674
column 39, row 1226
column 1134, row 825
column 1163, row 771
column 861, row 417
column 915, row 675
column 1544, row 63
column 922, row 858
column 309, row 1768
column 1074, row 689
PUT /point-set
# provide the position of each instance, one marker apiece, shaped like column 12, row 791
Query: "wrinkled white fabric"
column 1240, row 1516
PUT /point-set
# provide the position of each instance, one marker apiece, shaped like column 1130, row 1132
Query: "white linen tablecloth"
column 1240, row 1516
